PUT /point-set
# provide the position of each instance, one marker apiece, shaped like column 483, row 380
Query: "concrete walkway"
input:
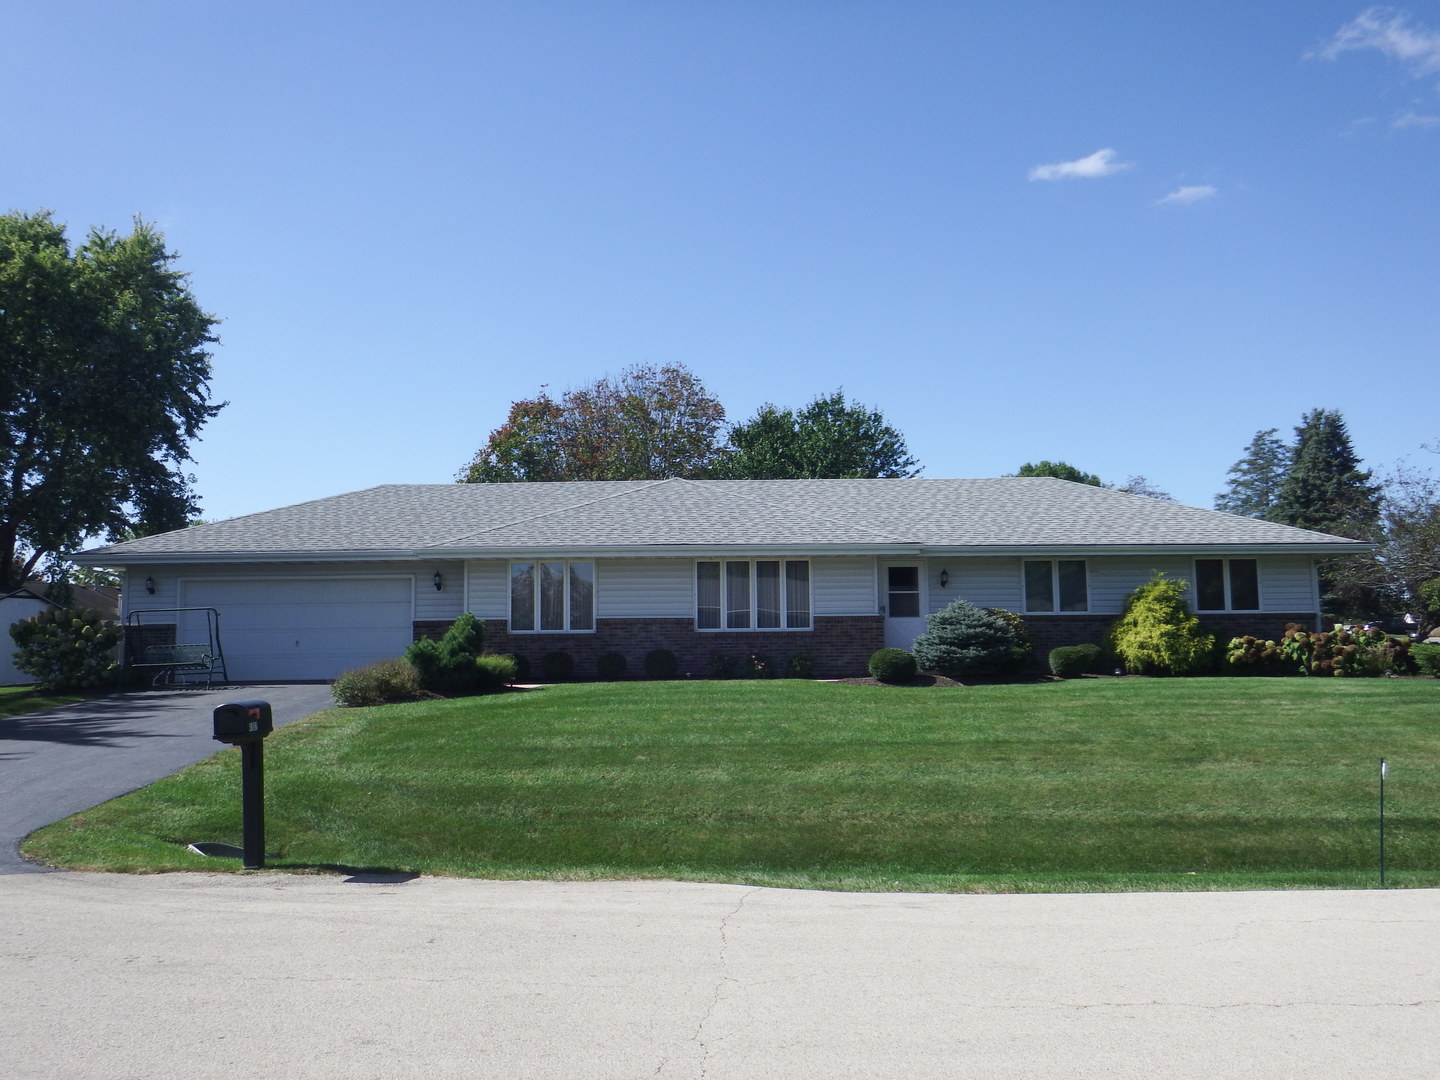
column 61, row 761
column 266, row 975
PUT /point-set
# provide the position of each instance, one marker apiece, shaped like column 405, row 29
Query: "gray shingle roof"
column 1010, row 513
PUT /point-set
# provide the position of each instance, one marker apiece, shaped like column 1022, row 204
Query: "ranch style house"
column 831, row 568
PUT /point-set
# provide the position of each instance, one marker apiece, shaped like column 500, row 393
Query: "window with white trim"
column 1056, row 585
column 552, row 596
column 1227, row 585
column 752, row 594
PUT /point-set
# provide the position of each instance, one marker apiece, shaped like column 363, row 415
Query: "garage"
column 294, row 628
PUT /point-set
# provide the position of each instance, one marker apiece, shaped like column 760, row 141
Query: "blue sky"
column 1127, row 234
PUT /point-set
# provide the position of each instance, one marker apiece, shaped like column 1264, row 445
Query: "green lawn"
column 17, row 700
column 1087, row 785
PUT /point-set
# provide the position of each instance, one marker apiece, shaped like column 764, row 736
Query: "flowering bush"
column 69, row 649
column 1345, row 651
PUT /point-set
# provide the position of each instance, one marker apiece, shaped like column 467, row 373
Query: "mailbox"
column 243, row 722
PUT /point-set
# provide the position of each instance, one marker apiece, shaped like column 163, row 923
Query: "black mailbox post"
column 245, row 724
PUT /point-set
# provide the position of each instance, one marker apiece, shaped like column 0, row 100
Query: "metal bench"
column 168, row 660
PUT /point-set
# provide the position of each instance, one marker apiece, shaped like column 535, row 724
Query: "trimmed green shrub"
column 497, row 670
column 382, row 683
column 962, row 641
column 660, row 664
column 1072, row 661
column 720, row 666
column 800, row 666
column 557, row 667
column 610, row 667
column 1157, row 634
column 448, row 666
column 522, row 667
column 1427, row 658
column 892, row 666
column 65, row 649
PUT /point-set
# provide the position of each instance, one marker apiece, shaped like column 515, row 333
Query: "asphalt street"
column 59, row 762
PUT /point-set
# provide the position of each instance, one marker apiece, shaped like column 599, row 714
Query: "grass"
column 1117, row 784
column 18, row 700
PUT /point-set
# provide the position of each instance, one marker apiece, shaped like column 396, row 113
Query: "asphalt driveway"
column 61, row 761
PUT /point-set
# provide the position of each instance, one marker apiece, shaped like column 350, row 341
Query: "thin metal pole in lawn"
column 1383, row 770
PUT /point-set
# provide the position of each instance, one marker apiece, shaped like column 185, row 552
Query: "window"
column 1227, row 585
column 902, row 593
column 552, row 596
column 752, row 594
column 1056, row 585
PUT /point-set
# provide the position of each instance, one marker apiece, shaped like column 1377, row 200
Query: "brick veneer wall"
column 1051, row 631
column 838, row 646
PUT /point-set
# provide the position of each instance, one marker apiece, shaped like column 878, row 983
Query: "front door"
column 902, row 604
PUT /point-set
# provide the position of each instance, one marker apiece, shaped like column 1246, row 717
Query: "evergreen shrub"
column 557, row 667
column 1157, row 635
column 800, row 666
column 660, row 664
column 962, row 641
column 1072, row 661
column 1427, row 658
column 448, row 666
column 892, row 666
column 610, row 667
column 497, row 670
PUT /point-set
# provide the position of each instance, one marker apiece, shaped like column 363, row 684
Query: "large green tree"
column 104, row 383
column 829, row 439
column 1254, row 480
column 649, row 424
column 1324, row 488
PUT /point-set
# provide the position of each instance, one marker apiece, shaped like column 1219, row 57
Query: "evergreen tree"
column 1324, row 487
column 1255, row 479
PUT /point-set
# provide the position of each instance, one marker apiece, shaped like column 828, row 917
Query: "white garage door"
column 278, row 629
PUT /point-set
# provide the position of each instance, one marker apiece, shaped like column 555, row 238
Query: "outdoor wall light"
column 150, row 585
column 944, row 578
column 439, row 581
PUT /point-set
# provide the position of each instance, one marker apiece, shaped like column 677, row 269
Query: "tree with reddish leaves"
column 651, row 423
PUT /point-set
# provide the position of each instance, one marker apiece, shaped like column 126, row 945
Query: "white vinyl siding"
column 843, row 586
column 645, row 588
column 1288, row 585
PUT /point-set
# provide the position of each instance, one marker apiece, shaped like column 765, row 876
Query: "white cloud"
column 1100, row 163
column 1415, row 120
column 1187, row 196
column 1390, row 32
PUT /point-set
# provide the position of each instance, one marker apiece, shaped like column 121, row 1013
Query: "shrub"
column 1427, row 658
column 1022, row 632
column 757, row 666
column 800, row 666
column 522, row 668
column 448, row 666
column 496, row 670
column 892, row 666
column 1072, row 661
column 1250, row 655
column 610, row 667
column 1345, row 651
column 1157, row 634
column 69, row 648
column 557, row 667
column 382, row 683
column 720, row 666
column 660, row 664
column 962, row 640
